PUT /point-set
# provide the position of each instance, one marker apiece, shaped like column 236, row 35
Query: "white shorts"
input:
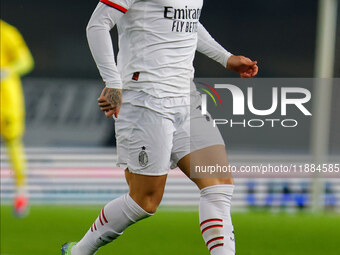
column 153, row 134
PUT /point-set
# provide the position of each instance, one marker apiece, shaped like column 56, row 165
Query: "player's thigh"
column 11, row 110
column 198, row 143
column 144, row 141
column 12, row 126
column 209, row 156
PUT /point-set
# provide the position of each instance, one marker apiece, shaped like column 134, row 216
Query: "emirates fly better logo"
column 289, row 96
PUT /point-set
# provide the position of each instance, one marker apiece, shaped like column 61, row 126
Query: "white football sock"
column 115, row 217
column 215, row 220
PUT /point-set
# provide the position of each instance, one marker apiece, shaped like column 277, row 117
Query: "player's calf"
column 113, row 219
column 215, row 220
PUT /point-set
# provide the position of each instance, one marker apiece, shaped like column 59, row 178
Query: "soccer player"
column 16, row 61
column 151, row 96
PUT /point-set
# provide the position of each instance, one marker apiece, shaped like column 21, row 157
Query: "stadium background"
column 70, row 144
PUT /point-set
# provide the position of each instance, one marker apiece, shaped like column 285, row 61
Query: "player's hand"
column 110, row 101
column 242, row 65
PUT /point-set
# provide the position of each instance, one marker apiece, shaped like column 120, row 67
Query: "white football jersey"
column 157, row 44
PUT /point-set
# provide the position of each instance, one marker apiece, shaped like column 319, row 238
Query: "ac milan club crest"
column 143, row 157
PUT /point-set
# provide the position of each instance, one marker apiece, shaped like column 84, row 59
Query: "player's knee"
column 151, row 204
column 225, row 181
column 148, row 202
column 150, row 208
column 208, row 182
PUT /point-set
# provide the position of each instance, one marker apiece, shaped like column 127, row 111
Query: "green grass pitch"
column 170, row 232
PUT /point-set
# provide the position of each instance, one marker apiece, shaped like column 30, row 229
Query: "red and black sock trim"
column 113, row 5
column 215, row 246
column 100, row 219
column 215, row 239
column 104, row 218
column 212, row 226
column 93, row 227
column 210, row 220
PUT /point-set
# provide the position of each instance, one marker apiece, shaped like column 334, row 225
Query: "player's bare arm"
column 242, row 65
column 110, row 101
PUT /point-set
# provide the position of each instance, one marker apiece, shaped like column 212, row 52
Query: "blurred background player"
column 16, row 61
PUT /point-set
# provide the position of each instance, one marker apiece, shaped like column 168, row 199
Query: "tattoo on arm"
column 114, row 96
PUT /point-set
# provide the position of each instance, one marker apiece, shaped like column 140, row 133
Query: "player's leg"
column 144, row 141
column 215, row 199
column 147, row 191
column 12, row 129
column 198, row 143
column 18, row 162
column 141, row 202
